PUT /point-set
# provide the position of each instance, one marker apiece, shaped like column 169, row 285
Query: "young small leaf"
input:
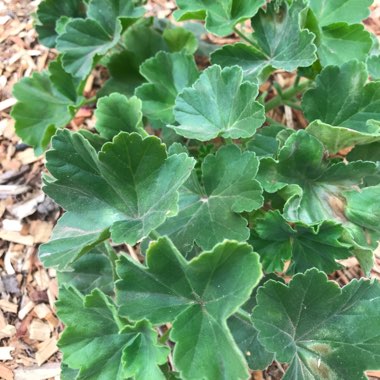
column 209, row 213
column 322, row 331
column 218, row 104
column 221, row 16
column 198, row 297
column 101, row 345
column 167, row 74
column 345, row 109
column 130, row 187
column 281, row 43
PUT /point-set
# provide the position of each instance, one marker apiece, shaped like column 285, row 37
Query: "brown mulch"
column 29, row 328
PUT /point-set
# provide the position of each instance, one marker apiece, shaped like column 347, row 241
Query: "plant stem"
column 244, row 315
column 90, row 101
column 243, row 36
column 154, row 235
column 162, row 339
column 293, row 105
column 228, row 141
column 286, row 95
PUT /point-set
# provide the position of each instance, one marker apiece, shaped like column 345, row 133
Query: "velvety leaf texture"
column 220, row 103
column 221, row 16
column 167, row 74
column 280, row 43
column 345, row 109
column 317, row 186
column 322, row 331
column 198, row 297
column 129, row 187
column 306, row 246
column 105, row 347
column 209, row 211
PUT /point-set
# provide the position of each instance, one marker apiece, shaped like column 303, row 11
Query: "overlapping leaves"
column 126, row 190
column 197, row 296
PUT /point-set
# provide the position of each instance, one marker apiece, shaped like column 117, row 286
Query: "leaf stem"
column 154, row 235
column 244, row 315
column 287, row 95
column 228, row 141
column 243, row 36
column 164, row 337
column 89, row 101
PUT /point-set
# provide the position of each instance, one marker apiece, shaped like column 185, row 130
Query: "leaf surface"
column 125, row 350
column 322, row 331
column 280, row 43
column 129, row 187
column 306, row 246
column 221, row 16
column 168, row 74
column 197, row 296
column 345, row 109
column 218, row 104
column 209, row 212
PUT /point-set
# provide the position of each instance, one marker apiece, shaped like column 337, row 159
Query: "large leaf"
column 280, row 43
column 221, row 16
column 316, row 246
column 332, row 11
column 49, row 12
column 101, row 345
column 83, row 41
column 117, row 113
column 318, row 187
column 130, row 187
column 198, row 297
column 322, row 331
column 220, row 103
column 346, row 109
column 209, row 212
column 91, row 271
column 45, row 102
column 167, row 74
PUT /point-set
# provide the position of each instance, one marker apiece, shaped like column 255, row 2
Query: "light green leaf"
column 318, row 187
column 105, row 347
column 198, row 297
column 322, row 331
column 221, row 16
column 281, row 43
column 180, row 39
column 332, row 11
column 48, row 14
column 91, row 271
column 129, row 187
column 373, row 67
column 340, row 43
column 117, row 113
column 84, row 41
column 167, row 74
column 45, row 102
column 345, row 107
column 209, row 212
column 306, row 246
column 219, row 104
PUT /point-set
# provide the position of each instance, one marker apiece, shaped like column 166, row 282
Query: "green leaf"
column 340, row 43
column 332, row 11
column 317, row 185
column 84, row 41
column 221, row 16
column 104, row 347
column 129, row 187
column 117, row 113
column 180, row 39
column 373, row 67
column 219, row 104
column 167, row 74
column 198, row 297
column 91, row 271
column 48, row 14
column 209, row 212
column 322, row 331
column 281, row 43
column 306, row 246
column 345, row 108
column 46, row 102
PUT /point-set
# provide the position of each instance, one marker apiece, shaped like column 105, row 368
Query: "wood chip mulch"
column 29, row 328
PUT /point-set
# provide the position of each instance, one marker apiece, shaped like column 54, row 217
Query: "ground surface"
column 29, row 328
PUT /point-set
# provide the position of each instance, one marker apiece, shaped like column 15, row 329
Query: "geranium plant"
column 187, row 203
